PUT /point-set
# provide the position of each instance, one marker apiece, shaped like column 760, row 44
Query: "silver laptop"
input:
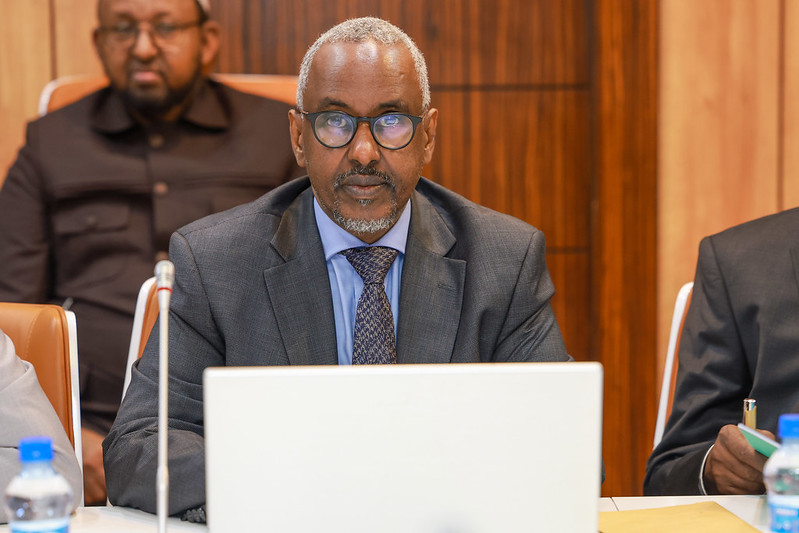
column 482, row 448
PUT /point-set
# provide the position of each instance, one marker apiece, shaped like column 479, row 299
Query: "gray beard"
column 365, row 227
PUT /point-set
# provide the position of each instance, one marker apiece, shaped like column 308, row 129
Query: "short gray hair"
column 360, row 30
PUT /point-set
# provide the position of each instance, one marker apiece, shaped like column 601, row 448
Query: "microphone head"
column 164, row 275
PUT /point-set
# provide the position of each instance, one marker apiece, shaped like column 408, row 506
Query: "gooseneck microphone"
column 164, row 279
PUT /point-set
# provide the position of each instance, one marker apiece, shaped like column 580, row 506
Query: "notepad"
column 696, row 517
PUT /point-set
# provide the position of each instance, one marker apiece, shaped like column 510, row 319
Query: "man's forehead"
column 146, row 8
column 368, row 73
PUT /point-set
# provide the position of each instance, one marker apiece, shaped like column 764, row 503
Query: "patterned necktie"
column 373, row 342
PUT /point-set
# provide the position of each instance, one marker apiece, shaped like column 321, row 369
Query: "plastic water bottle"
column 38, row 499
column 781, row 476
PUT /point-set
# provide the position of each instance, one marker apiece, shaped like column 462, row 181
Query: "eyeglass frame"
column 117, row 33
column 415, row 121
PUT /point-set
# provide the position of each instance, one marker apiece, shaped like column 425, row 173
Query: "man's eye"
column 164, row 29
column 389, row 121
column 123, row 29
column 337, row 121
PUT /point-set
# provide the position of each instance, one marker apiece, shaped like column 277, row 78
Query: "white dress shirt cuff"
column 702, row 472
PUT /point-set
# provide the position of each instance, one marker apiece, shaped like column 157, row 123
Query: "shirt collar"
column 206, row 110
column 335, row 238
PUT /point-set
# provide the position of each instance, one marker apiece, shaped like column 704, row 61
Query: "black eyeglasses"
column 124, row 34
column 335, row 129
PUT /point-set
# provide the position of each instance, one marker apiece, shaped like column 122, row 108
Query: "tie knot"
column 371, row 263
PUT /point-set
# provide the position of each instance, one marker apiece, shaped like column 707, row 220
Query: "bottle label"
column 784, row 514
column 57, row 525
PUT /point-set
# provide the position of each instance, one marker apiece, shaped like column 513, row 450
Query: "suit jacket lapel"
column 431, row 295
column 795, row 258
column 299, row 287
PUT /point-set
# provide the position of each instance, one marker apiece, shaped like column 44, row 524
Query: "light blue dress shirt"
column 345, row 283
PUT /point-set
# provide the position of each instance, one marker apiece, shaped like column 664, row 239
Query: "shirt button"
column 160, row 188
column 156, row 140
column 162, row 256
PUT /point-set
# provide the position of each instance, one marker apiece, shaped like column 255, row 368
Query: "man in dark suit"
column 740, row 340
column 275, row 282
column 100, row 185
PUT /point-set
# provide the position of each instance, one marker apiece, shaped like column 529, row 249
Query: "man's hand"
column 733, row 466
column 93, row 473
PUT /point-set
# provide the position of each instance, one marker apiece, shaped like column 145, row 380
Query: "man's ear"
column 295, row 132
column 429, row 127
column 210, row 35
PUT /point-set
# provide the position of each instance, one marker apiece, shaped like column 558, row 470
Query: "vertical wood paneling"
column 514, row 151
column 74, row 22
column 25, row 67
column 790, row 151
column 624, row 246
column 718, row 144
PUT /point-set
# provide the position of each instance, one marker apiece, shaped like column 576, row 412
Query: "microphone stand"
column 165, row 277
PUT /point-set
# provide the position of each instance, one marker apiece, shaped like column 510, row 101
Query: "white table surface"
column 120, row 520
column 752, row 509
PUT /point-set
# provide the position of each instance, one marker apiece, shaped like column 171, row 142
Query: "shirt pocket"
column 93, row 241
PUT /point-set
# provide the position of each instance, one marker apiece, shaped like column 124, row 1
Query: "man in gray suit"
column 25, row 412
column 272, row 283
column 740, row 340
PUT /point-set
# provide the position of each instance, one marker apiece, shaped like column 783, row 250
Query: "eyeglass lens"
column 335, row 129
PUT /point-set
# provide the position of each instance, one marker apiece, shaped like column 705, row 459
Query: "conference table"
column 751, row 509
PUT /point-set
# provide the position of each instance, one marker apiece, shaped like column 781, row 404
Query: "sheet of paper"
column 696, row 517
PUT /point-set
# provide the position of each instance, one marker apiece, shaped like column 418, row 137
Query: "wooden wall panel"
column 789, row 178
column 623, row 252
column 718, row 131
column 504, row 42
column 25, row 67
column 74, row 22
column 515, row 151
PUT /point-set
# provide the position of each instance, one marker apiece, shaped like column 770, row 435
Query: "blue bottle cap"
column 789, row 426
column 35, row 449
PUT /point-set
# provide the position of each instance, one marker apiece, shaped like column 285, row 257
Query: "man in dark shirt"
column 100, row 185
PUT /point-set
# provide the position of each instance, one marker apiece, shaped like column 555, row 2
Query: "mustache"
column 363, row 171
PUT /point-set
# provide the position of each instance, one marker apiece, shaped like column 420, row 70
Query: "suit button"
column 160, row 188
column 156, row 140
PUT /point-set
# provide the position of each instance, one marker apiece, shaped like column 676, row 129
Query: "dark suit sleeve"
column 712, row 379
column 131, row 446
column 24, row 235
column 530, row 331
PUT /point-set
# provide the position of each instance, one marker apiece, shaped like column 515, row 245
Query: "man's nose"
column 363, row 148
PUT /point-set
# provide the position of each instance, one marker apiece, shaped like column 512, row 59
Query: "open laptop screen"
column 479, row 448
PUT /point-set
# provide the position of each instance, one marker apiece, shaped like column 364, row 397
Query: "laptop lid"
column 467, row 448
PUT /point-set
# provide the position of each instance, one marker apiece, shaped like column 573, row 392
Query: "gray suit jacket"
column 741, row 339
column 24, row 412
column 252, row 288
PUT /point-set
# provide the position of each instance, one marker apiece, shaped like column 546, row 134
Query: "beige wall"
column 39, row 40
column 728, row 147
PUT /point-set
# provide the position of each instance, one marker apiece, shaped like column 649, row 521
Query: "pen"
column 750, row 413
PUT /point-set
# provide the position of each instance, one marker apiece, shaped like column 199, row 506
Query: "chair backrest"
column 46, row 336
column 670, row 366
column 68, row 89
column 144, row 318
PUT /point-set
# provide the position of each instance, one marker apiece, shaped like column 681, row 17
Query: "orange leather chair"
column 46, row 336
column 68, row 89
column 670, row 368
column 144, row 317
